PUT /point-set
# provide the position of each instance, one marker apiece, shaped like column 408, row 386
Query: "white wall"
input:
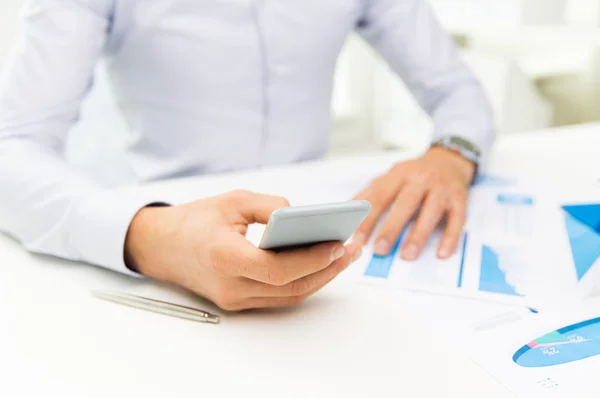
column 547, row 54
column 584, row 12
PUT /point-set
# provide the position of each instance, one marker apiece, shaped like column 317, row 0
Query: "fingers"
column 296, row 296
column 405, row 206
column 278, row 302
column 454, row 227
column 279, row 269
column 310, row 283
column 430, row 216
column 260, row 295
column 257, row 208
column 380, row 196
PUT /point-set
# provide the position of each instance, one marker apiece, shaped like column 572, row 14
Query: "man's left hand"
column 438, row 184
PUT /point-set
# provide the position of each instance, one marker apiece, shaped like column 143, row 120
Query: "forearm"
column 44, row 202
column 411, row 40
column 52, row 209
column 464, row 111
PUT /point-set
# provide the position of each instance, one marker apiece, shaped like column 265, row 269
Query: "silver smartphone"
column 300, row 226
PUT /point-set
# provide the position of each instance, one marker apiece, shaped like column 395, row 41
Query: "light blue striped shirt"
column 204, row 86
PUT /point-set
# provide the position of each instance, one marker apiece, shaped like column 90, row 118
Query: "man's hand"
column 437, row 183
column 202, row 247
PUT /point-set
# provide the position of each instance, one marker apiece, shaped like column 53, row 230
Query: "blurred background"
column 538, row 60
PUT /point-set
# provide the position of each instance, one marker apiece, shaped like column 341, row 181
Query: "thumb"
column 257, row 208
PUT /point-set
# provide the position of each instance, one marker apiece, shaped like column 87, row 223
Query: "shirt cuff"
column 100, row 227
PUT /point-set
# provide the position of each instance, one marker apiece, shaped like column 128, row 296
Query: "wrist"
column 466, row 167
column 463, row 148
column 142, row 239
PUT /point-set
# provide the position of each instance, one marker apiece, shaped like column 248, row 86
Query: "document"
column 532, row 354
column 521, row 296
column 582, row 223
column 521, row 293
column 519, row 247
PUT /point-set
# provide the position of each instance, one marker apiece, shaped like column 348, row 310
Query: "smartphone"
column 300, row 226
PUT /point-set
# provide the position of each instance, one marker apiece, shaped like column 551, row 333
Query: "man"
column 208, row 86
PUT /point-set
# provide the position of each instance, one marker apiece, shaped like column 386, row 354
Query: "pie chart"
column 569, row 344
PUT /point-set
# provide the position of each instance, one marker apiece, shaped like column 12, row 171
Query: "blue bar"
column 588, row 214
column 380, row 266
column 492, row 278
column 585, row 245
column 492, row 181
column 519, row 200
column 462, row 260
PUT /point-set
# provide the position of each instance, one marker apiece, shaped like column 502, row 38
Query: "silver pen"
column 159, row 307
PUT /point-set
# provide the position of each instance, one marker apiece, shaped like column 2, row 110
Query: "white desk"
column 348, row 341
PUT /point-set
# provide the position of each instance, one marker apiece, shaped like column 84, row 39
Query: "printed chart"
column 485, row 263
column 561, row 361
column 492, row 278
column 569, row 344
column 583, row 228
column 512, row 239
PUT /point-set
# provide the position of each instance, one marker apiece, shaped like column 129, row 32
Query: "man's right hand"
column 202, row 247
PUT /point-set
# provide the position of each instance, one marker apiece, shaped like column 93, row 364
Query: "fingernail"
column 382, row 247
column 445, row 252
column 360, row 238
column 356, row 255
column 410, row 252
column 337, row 254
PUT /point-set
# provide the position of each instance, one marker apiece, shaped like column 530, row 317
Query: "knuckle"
column 452, row 237
column 379, row 200
column 239, row 196
column 242, row 194
column 458, row 204
column 418, row 236
column 379, row 185
column 442, row 192
column 375, row 191
column 439, row 201
column 342, row 265
column 461, row 217
column 387, row 231
column 398, row 167
column 224, row 296
column 417, row 240
column 297, row 300
column 299, row 287
column 276, row 277
column 249, row 262
column 230, row 307
column 435, row 176
column 413, row 193
column 418, row 178
column 458, row 192
column 428, row 178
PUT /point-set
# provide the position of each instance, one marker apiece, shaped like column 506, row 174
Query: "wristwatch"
column 463, row 147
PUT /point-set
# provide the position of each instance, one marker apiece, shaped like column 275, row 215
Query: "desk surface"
column 56, row 340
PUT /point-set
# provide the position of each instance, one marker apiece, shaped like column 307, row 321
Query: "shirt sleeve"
column 409, row 37
column 45, row 203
